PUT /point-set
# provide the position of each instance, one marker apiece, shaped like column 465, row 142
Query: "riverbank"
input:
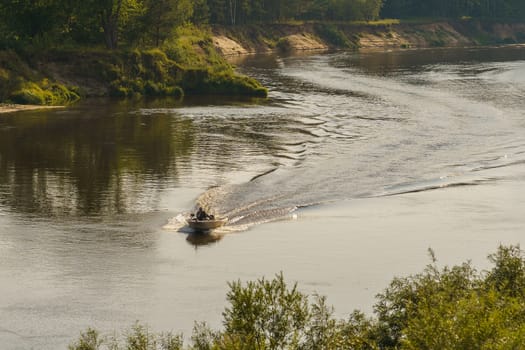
column 9, row 107
column 193, row 61
column 187, row 64
column 379, row 35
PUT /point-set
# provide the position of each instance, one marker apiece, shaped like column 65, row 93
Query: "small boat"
column 205, row 225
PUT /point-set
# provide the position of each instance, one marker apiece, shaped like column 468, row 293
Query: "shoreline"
column 372, row 36
column 11, row 108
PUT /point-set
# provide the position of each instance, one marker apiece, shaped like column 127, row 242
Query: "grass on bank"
column 440, row 308
column 186, row 63
column 22, row 85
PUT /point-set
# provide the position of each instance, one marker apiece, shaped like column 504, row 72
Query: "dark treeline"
column 44, row 23
column 502, row 9
column 250, row 11
column 149, row 22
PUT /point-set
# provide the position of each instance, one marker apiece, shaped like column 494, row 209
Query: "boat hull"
column 205, row 225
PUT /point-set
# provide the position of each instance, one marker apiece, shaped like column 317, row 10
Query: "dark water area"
column 93, row 197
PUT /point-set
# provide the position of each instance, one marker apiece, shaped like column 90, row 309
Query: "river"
column 354, row 166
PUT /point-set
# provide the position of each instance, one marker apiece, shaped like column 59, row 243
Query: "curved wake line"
column 498, row 166
column 440, row 184
column 5, row 330
column 263, row 174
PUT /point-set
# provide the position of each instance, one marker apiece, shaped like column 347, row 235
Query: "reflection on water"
column 90, row 159
column 101, row 157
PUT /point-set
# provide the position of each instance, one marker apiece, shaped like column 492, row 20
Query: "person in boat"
column 201, row 214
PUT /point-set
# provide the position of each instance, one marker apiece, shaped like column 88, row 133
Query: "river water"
column 341, row 179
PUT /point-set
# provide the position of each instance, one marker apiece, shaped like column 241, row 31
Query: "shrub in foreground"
column 449, row 308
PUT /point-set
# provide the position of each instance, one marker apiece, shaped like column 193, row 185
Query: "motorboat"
column 205, row 225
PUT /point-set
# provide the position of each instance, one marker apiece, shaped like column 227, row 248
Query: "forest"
column 147, row 23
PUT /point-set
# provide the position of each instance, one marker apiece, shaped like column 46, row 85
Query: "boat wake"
column 345, row 134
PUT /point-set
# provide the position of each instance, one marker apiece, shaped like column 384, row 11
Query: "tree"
column 29, row 21
column 114, row 17
column 265, row 314
column 217, row 11
column 110, row 12
column 162, row 16
column 201, row 12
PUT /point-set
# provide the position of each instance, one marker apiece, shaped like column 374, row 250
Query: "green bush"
column 30, row 94
column 508, row 275
column 88, row 340
column 284, row 45
column 20, row 84
column 332, row 35
column 175, row 91
column 139, row 337
column 43, row 93
column 149, row 73
column 192, row 48
column 7, row 84
column 126, row 73
column 204, row 81
column 449, row 308
column 266, row 314
column 456, row 308
column 60, row 94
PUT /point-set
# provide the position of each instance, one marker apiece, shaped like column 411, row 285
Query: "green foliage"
column 6, row 83
column 508, row 274
column 509, row 9
column 203, row 338
column 401, row 299
column 283, row 45
column 163, row 16
column 148, row 72
column 447, row 309
column 31, row 93
column 456, row 308
column 128, row 23
column 192, row 47
column 204, row 81
column 326, row 332
column 43, row 93
column 331, row 34
column 476, row 320
column 265, row 314
column 256, row 11
column 89, row 340
column 139, row 337
column 20, row 84
column 13, row 72
column 183, row 51
column 205, row 71
column 124, row 73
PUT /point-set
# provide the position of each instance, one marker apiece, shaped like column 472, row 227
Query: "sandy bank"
column 250, row 39
column 9, row 108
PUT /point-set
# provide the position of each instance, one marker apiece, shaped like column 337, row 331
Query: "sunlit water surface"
column 354, row 166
